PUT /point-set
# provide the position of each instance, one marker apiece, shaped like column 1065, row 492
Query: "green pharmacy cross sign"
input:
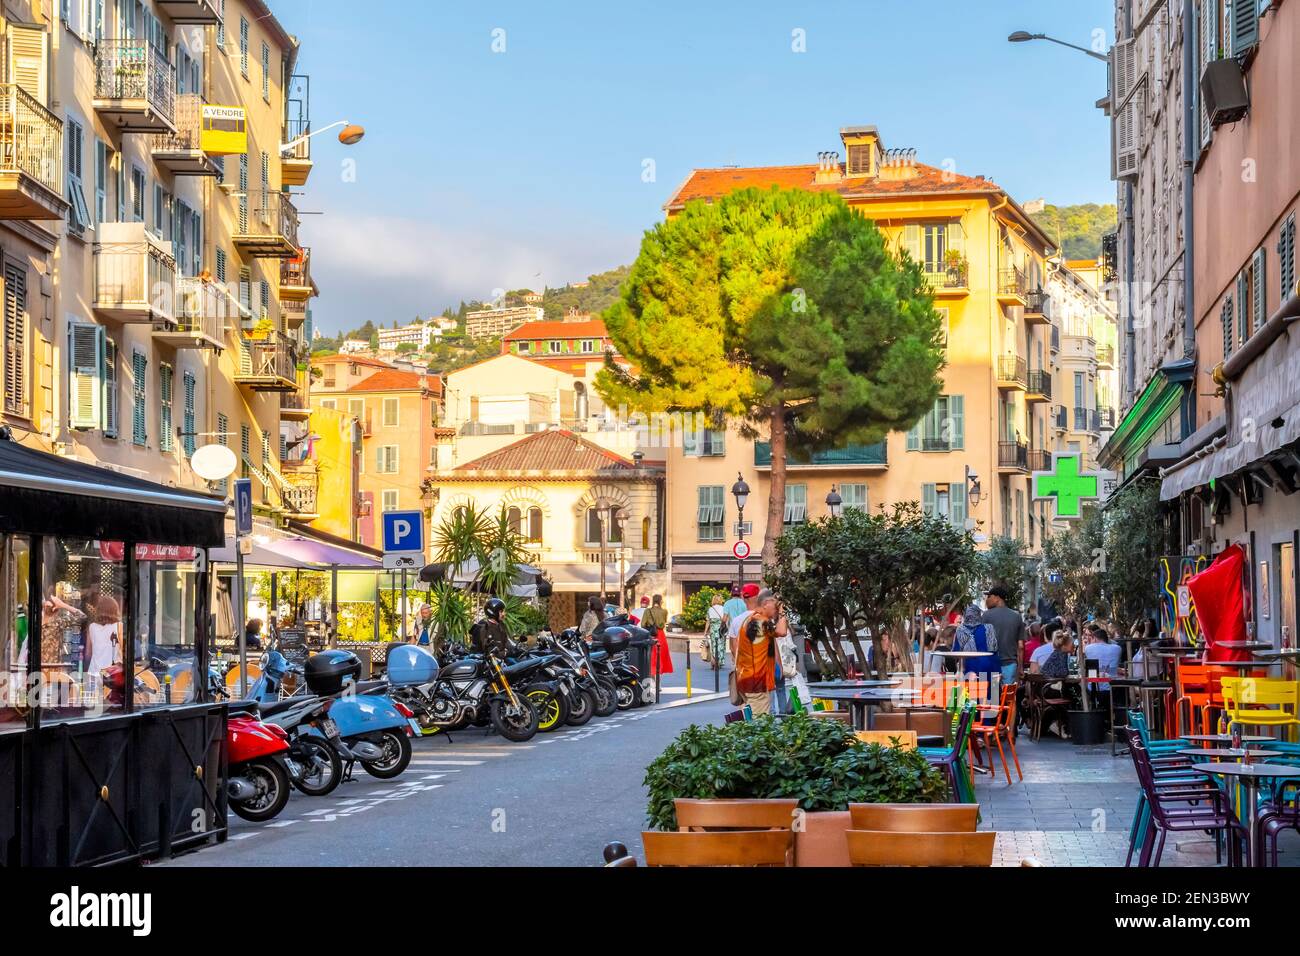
column 1066, row 484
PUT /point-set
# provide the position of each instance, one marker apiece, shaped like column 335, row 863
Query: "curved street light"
column 1023, row 36
column 349, row 135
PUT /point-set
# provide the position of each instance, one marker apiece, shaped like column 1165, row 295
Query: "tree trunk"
column 902, row 646
column 776, row 492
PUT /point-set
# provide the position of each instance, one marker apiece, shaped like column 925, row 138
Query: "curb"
column 702, row 698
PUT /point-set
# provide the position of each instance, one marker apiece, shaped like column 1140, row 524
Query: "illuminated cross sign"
column 1066, row 484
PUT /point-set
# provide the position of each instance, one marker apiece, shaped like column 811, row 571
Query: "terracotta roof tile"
column 714, row 183
column 584, row 329
column 553, row 450
column 396, row 380
column 338, row 357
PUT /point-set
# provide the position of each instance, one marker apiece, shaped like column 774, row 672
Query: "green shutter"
column 85, row 368
column 929, row 500
column 189, row 424
column 110, row 389
column 1243, row 24
column 139, row 427
column 1243, row 307
column 1260, row 305
column 914, row 437
column 957, row 413
column 957, row 504
column 165, row 375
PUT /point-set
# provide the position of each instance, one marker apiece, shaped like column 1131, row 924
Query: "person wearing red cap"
column 749, row 593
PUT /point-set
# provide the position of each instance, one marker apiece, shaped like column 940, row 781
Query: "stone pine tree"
column 782, row 309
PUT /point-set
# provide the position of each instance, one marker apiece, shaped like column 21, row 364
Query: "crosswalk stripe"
column 450, row 763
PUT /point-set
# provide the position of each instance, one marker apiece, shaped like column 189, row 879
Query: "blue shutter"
column 929, row 501
column 957, row 414
column 914, row 437
column 957, row 504
column 139, row 365
column 189, row 413
column 1244, row 24
column 165, row 374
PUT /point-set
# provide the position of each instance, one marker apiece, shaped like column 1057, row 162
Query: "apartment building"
column 1147, row 258
column 569, row 343
column 1083, row 345
column 417, row 334
column 155, row 286
column 968, row 459
column 1235, row 479
column 494, row 323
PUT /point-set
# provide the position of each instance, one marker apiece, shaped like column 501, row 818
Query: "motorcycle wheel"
column 646, row 693
column 552, row 709
column 397, row 754
column 272, row 782
column 322, row 766
column 606, row 698
column 582, row 709
column 516, row 724
column 627, row 696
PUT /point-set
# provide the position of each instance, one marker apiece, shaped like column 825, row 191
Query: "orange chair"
column 882, row 848
column 724, row 848
column 989, row 735
column 1192, row 689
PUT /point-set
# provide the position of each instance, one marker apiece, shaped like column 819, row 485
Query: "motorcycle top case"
column 409, row 664
column 609, row 642
column 327, row 671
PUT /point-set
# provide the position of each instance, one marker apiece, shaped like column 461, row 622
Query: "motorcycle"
column 258, row 784
column 466, row 689
column 314, row 762
column 608, row 653
column 597, row 692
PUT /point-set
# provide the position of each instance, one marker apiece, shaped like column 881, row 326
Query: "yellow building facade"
column 971, row 457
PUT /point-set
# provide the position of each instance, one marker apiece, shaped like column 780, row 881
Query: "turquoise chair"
column 954, row 759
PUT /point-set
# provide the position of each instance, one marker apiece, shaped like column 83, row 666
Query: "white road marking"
column 282, row 823
column 449, row 763
column 241, row 836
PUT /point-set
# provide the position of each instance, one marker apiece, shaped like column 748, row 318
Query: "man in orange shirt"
column 756, row 653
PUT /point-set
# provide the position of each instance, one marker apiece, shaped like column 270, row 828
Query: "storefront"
column 104, row 574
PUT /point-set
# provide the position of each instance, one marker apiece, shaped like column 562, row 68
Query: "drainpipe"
column 1130, row 334
column 1190, row 124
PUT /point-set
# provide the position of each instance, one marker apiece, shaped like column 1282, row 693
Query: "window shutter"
column 165, row 375
column 1225, row 316
column 139, row 428
column 929, row 501
column 1243, row 307
column 912, row 241
column 956, row 239
column 1260, row 289
column 957, row 415
column 85, row 357
column 914, row 437
column 15, row 340
column 690, row 440
column 957, row 504
column 1207, row 15
column 29, row 60
column 1244, row 25
column 189, row 425
column 1286, row 257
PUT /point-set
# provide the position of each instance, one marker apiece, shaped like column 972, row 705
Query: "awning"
column 260, row 557
column 584, row 576
column 714, row 567
column 42, row 493
column 324, row 555
column 1224, row 459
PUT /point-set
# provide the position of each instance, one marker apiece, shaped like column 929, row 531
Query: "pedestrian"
column 594, row 614
column 756, row 655
column 735, row 605
column 974, row 635
column 1009, row 631
column 253, row 634
column 1035, row 641
column 637, row 613
column 654, row 620
column 103, row 641
column 749, row 600
column 715, row 633
column 422, row 630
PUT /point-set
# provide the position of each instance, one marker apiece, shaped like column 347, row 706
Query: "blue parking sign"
column 243, row 506
column 403, row 532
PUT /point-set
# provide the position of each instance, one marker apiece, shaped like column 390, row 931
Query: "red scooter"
column 258, row 785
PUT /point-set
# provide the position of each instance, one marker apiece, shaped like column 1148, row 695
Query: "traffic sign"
column 243, row 506
column 741, row 550
column 403, row 539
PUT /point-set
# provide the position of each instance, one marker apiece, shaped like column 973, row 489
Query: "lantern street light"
column 740, row 491
column 833, row 501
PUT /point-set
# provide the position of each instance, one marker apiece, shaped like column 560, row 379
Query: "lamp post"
column 972, row 487
column 834, row 501
column 618, row 517
column 1023, row 36
column 740, row 491
column 350, row 135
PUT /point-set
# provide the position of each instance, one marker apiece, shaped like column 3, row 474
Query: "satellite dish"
column 213, row 462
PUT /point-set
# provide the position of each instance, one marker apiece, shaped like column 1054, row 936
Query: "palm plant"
column 452, row 614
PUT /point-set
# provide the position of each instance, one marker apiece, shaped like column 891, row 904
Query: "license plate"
column 329, row 728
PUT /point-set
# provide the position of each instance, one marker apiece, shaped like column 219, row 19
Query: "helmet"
column 494, row 609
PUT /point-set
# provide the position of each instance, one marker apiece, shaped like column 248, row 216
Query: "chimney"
column 862, row 151
column 828, row 168
column 896, row 164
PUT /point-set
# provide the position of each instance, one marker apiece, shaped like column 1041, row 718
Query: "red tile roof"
column 714, row 183
column 554, row 450
column 584, row 329
column 338, row 357
column 396, row 380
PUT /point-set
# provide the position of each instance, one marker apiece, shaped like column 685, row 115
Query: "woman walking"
column 715, row 646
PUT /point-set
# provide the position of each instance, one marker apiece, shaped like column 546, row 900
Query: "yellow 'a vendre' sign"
column 224, row 131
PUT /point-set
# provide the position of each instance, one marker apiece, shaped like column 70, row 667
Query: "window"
column 386, row 463
column 102, row 159
column 246, row 291
column 945, row 501
column 515, row 520
column 588, row 345
column 243, row 47
column 165, row 374
column 357, row 408
column 937, row 246
column 85, row 370
column 388, row 500
column 390, row 412
column 854, row 496
column 711, row 513
column 188, row 421
column 266, row 72
column 796, row 504
column 78, row 212
column 645, row 533
column 221, row 266
column 704, row 442
column 522, row 348
column 1286, row 257
column 139, row 430
column 1225, row 318
column 266, row 299
column 138, row 187
column 329, row 403
column 595, row 517
column 534, row 526
column 942, row 429
column 15, row 340
column 553, row 346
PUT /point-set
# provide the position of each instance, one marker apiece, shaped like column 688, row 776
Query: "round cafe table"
column 1249, row 775
column 1226, row 738
column 1244, row 645
column 860, row 701
column 1229, row 753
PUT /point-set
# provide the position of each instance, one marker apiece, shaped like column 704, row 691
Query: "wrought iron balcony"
column 1105, row 356
column 135, row 87
column 936, row 444
column 295, row 277
column 850, row 456
column 268, row 364
column 1013, row 455
column 953, row 277
column 295, row 405
column 268, row 226
column 135, row 275
column 1039, row 387
column 1012, row 372
column 1012, row 284
column 31, row 158
column 1086, row 420
column 295, row 163
column 202, row 310
column 1038, row 305
column 1040, row 460
column 1061, row 418
column 179, row 151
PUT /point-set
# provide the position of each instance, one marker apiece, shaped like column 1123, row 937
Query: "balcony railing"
column 298, row 493
column 268, row 225
column 1037, row 303
column 1012, row 370
column 201, row 313
column 31, row 144
column 1040, row 383
column 1086, row 420
column 850, row 456
column 941, row 277
column 131, row 79
column 1061, row 417
column 936, row 444
column 179, row 151
column 1011, row 282
column 268, row 364
column 1013, row 454
column 1106, row 356
column 135, row 275
column 1040, row 460
column 295, row 276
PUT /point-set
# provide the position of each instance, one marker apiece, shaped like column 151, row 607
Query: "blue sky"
column 484, row 170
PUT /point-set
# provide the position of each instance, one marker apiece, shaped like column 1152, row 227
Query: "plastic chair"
column 1260, row 702
column 1001, row 729
column 1193, row 689
column 1137, row 721
column 951, row 760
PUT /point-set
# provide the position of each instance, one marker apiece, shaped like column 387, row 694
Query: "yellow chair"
column 1261, row 702
column 903, row 739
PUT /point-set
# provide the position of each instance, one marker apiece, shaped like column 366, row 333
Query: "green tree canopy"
column 783, row 309
column 1077, row 229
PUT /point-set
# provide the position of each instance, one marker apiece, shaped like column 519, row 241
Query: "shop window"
column 15, row 565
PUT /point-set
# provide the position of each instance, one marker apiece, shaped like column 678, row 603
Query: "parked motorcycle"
column 598, row 691
column 315, row 764
column 258, row 783
column 466, row 689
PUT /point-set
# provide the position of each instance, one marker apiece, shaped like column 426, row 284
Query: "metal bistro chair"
column 953, row 761
column 986, row 736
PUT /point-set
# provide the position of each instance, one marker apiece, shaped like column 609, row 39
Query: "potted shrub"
column 957, row 266
column 819, row 763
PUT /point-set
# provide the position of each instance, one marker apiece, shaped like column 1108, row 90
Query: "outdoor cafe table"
column 1229, row 753
column 860, row 700
column 1244, row 645
column 1226, row 738
column 1248, row 775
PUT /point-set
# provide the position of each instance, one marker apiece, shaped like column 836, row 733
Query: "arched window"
column 580, row 401
column 515, row 520
column 645, row 533
column 594, row 518
column 534, row 525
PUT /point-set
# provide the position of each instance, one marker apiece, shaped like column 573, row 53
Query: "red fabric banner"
column 1219, row 599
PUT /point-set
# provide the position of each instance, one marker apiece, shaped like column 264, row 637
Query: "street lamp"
column 972, row 487
column 1023, row 36
column 349, row 135
column 833, row 501
column 618, row 517
column 740, row 491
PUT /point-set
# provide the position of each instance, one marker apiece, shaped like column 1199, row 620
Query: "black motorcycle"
column 474, row 689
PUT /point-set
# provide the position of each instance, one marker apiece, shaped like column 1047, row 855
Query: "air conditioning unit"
column 1223, row 91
